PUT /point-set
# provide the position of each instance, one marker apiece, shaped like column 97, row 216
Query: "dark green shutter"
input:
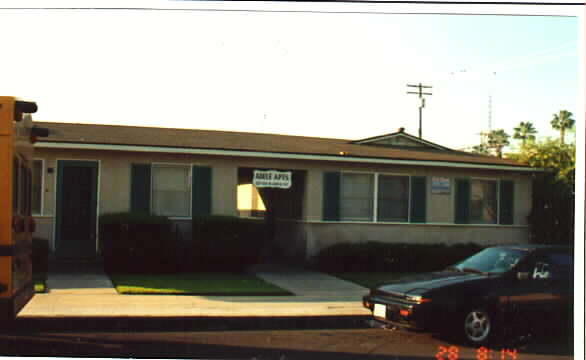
column 331, row 196
column 462, row 201
column 201, row 194
column 418, row 199
column 140, row 188
column 507, row 189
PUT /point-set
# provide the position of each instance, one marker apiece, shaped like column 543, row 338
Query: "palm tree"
column 498, row 139
column 562, row 122
column 525, row 131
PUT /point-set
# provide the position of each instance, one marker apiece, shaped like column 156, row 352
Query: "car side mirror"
column 522, row 275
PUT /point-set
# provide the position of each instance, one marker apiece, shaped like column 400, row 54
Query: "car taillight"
column 418, row 299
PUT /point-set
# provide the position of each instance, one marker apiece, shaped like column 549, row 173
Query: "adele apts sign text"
column 272, row 179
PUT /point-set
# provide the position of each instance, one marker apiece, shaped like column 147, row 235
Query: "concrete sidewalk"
column 91, row 294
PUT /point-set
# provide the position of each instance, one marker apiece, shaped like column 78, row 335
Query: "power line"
column 420, row 93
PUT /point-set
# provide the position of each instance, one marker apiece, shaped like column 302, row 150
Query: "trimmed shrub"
column 227, row 243
column 137, row 242
column 40, row 256
column 132, row 218
column 392, row 257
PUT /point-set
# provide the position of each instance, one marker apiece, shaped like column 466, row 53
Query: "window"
column 15, row 186
column 393, row 198
column 480, row 201
column 171, row 190
column 560, row 265
column 171, row 194
column 37, row 187
column 483, row 202
column 357, row 193
column 374, row 197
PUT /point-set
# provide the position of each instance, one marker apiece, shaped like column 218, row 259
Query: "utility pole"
column 421, row 100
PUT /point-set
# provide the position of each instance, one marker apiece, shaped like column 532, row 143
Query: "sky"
column 333, row 70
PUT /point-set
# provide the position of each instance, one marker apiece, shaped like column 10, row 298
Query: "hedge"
column 40, row 256
column 227, row 243
column 132, row 218
column 392, row 257
column 137, row 242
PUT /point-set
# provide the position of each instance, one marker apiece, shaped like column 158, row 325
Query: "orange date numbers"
column 453, row 353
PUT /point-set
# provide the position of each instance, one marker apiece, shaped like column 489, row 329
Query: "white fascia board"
column 270, row 155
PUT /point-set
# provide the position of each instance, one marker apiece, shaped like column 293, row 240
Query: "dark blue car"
column 485, row 296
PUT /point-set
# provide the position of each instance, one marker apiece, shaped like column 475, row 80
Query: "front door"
column 77, row 186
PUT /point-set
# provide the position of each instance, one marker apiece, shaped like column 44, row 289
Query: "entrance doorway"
column 76, row 215
column 277, row 206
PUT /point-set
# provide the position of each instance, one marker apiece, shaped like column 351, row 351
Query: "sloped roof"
column 402, row 136
column 125, row 136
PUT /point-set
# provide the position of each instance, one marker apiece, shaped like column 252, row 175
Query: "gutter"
column 270, row 155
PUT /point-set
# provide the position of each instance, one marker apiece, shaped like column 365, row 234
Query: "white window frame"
column 410, row 179
column 498, row 199
column 375, row 197
column 190, row 188
column 374, row 192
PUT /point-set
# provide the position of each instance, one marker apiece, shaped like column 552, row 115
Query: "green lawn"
column 195, row 284
column 369, row 279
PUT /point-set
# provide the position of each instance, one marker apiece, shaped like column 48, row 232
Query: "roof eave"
column 276, row 155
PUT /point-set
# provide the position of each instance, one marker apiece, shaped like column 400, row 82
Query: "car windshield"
column 492, row 260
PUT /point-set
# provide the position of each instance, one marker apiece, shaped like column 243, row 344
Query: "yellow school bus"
column 17, row 136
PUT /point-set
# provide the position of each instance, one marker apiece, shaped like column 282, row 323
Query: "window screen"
column 357, row 197
column 483, row 202
column 37, row 184
column 393, row 198
column 171, row 190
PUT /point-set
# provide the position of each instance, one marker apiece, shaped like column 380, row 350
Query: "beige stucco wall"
column 114, row 196
column 322, row 235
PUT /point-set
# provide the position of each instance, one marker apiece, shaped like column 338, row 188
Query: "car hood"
column 420, row 283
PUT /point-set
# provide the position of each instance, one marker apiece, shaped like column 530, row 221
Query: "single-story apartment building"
column 389, row 188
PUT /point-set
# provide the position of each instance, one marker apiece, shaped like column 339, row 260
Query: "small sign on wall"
column 441, row 185
column 272, row 179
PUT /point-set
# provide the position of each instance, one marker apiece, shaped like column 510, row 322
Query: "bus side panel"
column 22, row 270
column 6, row 243
column 6, row 304
column 16, row 286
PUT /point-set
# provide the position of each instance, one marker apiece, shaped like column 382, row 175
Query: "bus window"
column 15, row 187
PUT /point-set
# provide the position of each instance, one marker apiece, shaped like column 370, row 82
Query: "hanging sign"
column 440, row 185
column 272, row 179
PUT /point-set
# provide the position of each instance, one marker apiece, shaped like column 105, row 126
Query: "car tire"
column 480, row 326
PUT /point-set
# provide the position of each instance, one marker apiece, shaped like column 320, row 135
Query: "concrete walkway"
column 302, row 282
column 80, row 284
column 91, row 294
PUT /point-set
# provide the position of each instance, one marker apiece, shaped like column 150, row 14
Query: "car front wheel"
column 479, row 326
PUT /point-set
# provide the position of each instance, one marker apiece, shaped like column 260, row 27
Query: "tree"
column 481, row 149
column 562, row 122
column 497, row 140
column 558, row 159
column 552, row 215
column 525, row 132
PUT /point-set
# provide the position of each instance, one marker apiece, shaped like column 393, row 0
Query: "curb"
column 116, row 324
